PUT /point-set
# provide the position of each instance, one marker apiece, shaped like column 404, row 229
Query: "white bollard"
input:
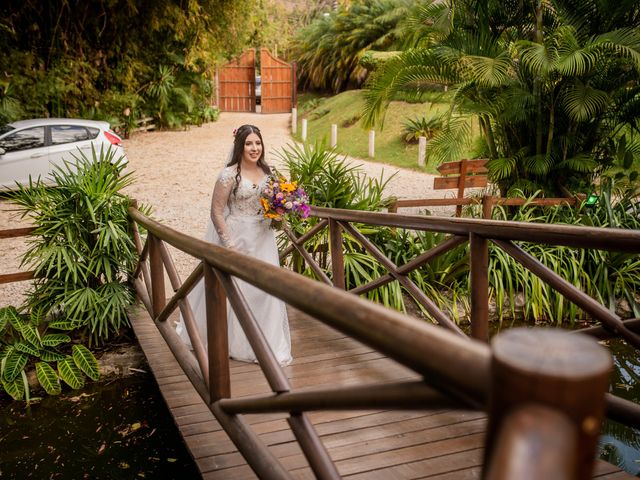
column 304, row 129
column 422, row 150
column 372, row 142
column 334, row 135
column 294, row 120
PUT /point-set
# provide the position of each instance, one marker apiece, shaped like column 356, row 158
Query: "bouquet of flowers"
column 282, row 197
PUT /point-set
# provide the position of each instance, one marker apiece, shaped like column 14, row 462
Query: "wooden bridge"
column 372, row 393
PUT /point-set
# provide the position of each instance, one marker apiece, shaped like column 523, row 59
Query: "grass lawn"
column 345, row 111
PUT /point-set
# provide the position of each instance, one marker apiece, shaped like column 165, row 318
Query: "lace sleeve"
column 219, row 200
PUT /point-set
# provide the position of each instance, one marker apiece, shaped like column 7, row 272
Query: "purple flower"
column 306, row 210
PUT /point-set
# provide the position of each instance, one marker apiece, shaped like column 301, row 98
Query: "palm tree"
column 548, row 88
column 328, row 51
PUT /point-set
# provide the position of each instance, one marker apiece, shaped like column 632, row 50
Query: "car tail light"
column 113, row 138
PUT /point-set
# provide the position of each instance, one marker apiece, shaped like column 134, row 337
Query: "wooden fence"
column 488, row 202
column 16, row 276
column 519, row 384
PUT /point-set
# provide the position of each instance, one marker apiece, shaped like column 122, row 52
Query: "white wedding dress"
column 237, row 222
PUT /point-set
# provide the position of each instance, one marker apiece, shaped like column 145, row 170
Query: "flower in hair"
column 234, row 131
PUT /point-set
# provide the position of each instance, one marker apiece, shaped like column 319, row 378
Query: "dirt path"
column 175, row 171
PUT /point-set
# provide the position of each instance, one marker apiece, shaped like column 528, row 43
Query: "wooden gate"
column 278, row 83
column 237, row 84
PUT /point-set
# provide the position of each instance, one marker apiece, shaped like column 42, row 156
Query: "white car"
column 34, row 147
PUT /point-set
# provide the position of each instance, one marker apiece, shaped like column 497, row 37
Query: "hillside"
column 345, row 110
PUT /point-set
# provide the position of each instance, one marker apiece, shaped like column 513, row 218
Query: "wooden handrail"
column 487, row 202
column 406, row 395
column 17, row 276
column 615, row 239
column 461, row 364
column 16, row 232
column 460, row 370
column 429, row 305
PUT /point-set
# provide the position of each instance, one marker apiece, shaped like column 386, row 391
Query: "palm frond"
column 581, row 101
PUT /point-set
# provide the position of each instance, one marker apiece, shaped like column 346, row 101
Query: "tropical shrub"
column 414, row 128
column 609, row 277
column 82, row 249
column 328, row 51
column 552, row 84
column 37, row 341
column 332, row 181
column 443, row 279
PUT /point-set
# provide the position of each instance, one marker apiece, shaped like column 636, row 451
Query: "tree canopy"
column 100, row 58
column 554, row 84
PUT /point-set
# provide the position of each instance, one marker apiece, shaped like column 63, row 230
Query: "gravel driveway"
column 175, row 171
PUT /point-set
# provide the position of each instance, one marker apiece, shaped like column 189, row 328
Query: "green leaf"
column 14, row 363
column 15, row 388
column 54, row 339
column 38, row 314
column 8, row 315
column 51, row 355
column 86, row 361
column 48, row 378
column 25, row 384
column 27, row 348
column 70, row 373
column 64, row 325
column 30, row 334
column 12, row 315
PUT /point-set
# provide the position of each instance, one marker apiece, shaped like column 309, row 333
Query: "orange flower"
column 288, row 187
column 265, row 204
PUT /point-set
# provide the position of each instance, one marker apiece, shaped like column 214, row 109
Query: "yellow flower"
column 273, row 216
column 288, row 186
column 265, row 204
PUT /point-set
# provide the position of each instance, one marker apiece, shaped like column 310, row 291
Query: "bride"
column 237, row 223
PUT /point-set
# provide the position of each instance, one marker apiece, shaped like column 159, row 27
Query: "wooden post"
column 560, row 370
column 422, row 151
column 535, row 442
column 158, row 295
column 217, row 340
column 294, row 120
column 294, row 73
column 372, row 143
column 217, row 88
column 334, row 135
column 304, row 129
column 479, row 251
column 487, row 207
column 461, row 185
column 337, row 258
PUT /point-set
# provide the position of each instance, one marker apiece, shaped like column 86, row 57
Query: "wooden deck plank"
column 371, row 444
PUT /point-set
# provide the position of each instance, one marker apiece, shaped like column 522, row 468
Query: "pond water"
column 114, row 430
column 620, row 445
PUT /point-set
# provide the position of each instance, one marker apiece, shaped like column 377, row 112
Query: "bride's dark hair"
column 241, row 134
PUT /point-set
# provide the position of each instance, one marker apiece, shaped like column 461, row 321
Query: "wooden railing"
column 488, row 202
column 16, row 276
column 520, row 381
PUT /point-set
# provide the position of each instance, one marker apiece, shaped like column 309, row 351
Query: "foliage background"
column 121, row 59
